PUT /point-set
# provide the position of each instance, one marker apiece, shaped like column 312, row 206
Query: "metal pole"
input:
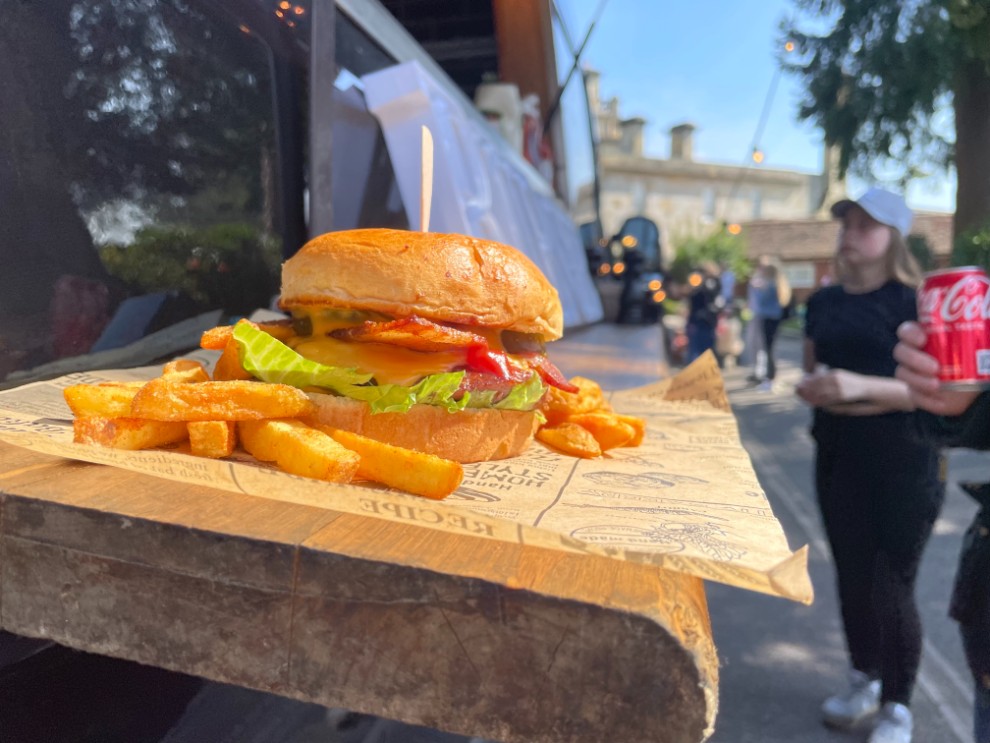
column 596, row 192
column 552, row 110
column 323, row 70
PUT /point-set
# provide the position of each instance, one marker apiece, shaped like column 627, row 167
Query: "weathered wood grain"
column 508, row 642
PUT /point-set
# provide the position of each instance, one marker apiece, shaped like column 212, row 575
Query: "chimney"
column 591, row 84
column 632, row 136
column 681, row 142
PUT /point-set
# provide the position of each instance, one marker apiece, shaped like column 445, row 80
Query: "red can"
column 954, row 310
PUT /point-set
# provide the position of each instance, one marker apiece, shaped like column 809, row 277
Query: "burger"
column 434, row 342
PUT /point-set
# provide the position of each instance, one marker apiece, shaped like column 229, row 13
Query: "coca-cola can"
column 954, row 310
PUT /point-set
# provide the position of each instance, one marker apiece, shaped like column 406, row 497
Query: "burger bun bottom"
column 470, row 435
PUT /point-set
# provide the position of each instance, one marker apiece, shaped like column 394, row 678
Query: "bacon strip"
column 549, row 372
column 414, row 333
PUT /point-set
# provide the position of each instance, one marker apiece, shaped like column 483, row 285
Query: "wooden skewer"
column 426, row 181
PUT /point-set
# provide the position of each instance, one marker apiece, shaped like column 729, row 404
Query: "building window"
column 708, row 205
column 800, row 275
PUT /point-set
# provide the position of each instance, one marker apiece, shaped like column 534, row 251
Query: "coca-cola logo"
column 966, row 300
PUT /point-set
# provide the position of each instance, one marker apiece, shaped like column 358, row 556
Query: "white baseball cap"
column 884, row 206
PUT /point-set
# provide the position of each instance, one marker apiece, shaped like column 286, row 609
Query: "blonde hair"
column 902, row 266
column 775, row 275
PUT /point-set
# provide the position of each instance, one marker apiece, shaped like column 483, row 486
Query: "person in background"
column 754, row 353
column 728, row 279
column 770, row 294
column 704, row 305
column 958, row 418
column 879, row 488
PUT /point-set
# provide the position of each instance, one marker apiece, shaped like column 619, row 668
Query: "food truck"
column 159, row 162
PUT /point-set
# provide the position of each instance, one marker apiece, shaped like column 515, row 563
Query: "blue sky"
column 710, row 62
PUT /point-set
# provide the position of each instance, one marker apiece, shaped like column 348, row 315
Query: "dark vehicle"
column 635, row 252
column 594, row 249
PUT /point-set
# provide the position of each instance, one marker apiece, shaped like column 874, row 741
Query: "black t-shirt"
column 858, row 332
column 706, row 302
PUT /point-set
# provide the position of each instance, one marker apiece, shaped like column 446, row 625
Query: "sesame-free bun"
column 469, row 435
column 445, row 278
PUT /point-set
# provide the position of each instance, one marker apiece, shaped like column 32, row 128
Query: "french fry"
column 638, row 426
column 126, row 433
column 570, row 438
column 161, row 399
column 560, row 405
column 400, row 468
column 215, row 339
column 607, row 428
column 590, row 391
column 185, row 370
column 213, row 439
column 107, row 399
column 229, row 364
column 298, row 449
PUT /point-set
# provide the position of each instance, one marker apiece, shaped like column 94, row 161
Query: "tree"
column 877, row 79
column 720, row 246
column 164, row 105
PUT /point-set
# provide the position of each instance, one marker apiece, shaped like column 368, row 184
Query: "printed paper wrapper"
column 687, row 500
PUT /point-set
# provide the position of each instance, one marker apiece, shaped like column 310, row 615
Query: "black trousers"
column 770, row 325
column 879, row 492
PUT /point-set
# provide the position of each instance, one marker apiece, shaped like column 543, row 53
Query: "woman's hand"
column 919, row 372
column 832, row 387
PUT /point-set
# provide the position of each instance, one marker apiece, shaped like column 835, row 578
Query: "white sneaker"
column 765, row 386
column 893, row 724
column 846, row 711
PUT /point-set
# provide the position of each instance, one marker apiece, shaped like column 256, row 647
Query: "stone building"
column 684, row 196
column 782, row 212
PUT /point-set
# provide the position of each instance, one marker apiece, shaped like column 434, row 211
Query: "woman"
column 770, row 294
column 879, row 488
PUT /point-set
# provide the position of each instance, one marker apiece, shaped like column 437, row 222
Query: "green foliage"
column 228, row 266
column 873, row 81
column 720, row 246
column 972, row 248
column 162, row 99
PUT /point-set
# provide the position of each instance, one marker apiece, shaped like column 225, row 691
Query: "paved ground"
column 779, row 659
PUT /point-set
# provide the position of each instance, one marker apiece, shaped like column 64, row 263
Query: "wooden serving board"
column 502, row 641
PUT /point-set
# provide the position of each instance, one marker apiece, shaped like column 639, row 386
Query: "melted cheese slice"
column 389, row 364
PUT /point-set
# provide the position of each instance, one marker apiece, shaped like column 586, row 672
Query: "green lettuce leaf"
column 523, row 396
column 272, row 361
column 436, row 389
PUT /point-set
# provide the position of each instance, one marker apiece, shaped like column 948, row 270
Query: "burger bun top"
column 446, row 278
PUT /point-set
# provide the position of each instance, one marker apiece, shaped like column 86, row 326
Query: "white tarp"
column 480, row 186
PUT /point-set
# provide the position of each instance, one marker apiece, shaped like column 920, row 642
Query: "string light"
column 757, row 155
